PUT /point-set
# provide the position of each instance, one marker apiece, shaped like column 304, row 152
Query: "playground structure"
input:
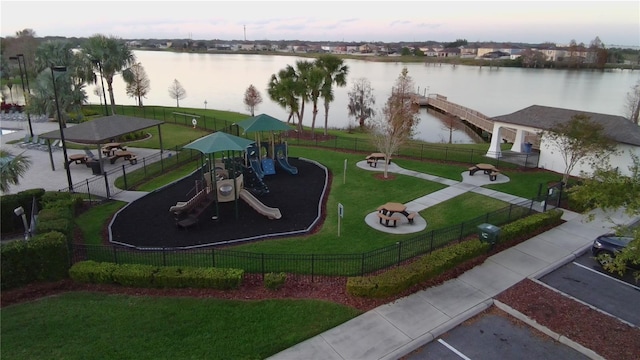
column 274, row 154
column 228, row 180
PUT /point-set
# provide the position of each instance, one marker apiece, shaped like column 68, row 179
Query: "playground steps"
column 194, row 213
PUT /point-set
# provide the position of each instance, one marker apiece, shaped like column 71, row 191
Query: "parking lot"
column 586, row 281
column 494, row 335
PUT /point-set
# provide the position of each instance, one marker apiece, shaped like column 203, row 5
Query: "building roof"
column 544, row 117
column 101, row 130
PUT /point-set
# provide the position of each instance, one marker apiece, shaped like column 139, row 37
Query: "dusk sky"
column 615, row 22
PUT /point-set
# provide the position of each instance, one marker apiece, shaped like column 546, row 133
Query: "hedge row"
column 149, row 276
column 395, row 281
column 44, row 257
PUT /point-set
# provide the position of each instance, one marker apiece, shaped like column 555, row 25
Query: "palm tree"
column 70, row 83
column 335, row 73
column 110, row 53
column 281, row 89
column 315, row 82
column 12, row 168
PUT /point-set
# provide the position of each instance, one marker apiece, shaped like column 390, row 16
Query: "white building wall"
column 551, row 159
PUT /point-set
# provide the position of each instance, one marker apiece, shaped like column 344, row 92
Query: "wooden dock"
column 470, row 116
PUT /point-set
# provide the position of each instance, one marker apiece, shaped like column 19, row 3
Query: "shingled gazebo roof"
column 103, row 129
column 544, row 117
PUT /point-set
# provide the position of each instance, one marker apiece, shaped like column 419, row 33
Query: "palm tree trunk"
column 326, row 118
column 111, row 97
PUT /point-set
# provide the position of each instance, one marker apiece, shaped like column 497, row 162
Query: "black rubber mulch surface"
column 147, row 222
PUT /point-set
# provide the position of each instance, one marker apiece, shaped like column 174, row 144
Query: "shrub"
column 92, row 272
column 153, row 276
column 401, row 278
column 274, row 281
column 43, row 258
column 134, row 275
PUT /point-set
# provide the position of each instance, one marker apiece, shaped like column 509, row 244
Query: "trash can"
column 527, row 148
column 488, row 233
column 95, row 167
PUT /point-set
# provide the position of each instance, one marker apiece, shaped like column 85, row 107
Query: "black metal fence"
column 311, row 266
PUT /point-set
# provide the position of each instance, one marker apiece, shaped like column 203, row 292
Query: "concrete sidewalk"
column 393, row 330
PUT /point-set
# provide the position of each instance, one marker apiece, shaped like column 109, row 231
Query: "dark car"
column 605, row 247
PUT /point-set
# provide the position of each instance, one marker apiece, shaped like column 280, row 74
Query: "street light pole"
column 64, row 143
column 24, row 91
column 205, row 104
column 99, row 63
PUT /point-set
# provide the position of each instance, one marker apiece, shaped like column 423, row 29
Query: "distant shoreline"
column 397, row 58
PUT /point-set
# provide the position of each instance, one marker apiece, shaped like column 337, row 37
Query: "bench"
column 494, row 175
column 372, row 162
column 472, row 170
column 133, row 160
column 411, row 216
column 388, row 219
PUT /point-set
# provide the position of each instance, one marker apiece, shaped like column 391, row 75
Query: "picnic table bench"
column 388, row 219
column 488, row 169
column 372, row 159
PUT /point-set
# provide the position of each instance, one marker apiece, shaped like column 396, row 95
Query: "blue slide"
column 281, row 156
column 257, row 167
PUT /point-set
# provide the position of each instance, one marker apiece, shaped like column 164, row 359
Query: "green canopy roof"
column 262, row 122
column 219, row 141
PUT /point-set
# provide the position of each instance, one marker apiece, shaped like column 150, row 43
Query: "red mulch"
column 607, row 336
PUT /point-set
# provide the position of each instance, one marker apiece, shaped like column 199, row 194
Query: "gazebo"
column 100, row 131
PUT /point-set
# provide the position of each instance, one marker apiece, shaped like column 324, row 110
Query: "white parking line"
column 605, row 275
column 453, row 349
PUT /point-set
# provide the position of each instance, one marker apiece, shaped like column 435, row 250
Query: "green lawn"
column 94, row 326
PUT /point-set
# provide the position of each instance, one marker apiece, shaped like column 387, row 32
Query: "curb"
column 552, row 334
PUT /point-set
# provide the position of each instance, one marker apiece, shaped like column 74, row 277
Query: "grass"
column 90, row 326
column 93, row 222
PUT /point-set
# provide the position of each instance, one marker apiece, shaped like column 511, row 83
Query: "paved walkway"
column 454, row 188
column 393, row 330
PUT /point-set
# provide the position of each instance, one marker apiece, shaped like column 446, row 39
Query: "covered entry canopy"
column 102, row 130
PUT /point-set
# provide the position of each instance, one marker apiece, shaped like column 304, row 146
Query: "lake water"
column 221, row 80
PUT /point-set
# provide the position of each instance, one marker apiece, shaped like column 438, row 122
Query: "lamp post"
column 24, row 91
column 19, row 211
column 205, row 104
column 64, row 143
column 99, row 63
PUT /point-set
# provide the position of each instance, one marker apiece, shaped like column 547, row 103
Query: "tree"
column 577, row 141
column 252, row 98
column 598, row 53
column 633, row 103
column 70, row 84
column 315, row 80
column 12, row 168
column 608, row 189
column 361, row 101
column 176, row 91
column 533, row 58
column 335, row 73
column 399, row 118
column 281, row 89
column 138, row 83
column 112, row 55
